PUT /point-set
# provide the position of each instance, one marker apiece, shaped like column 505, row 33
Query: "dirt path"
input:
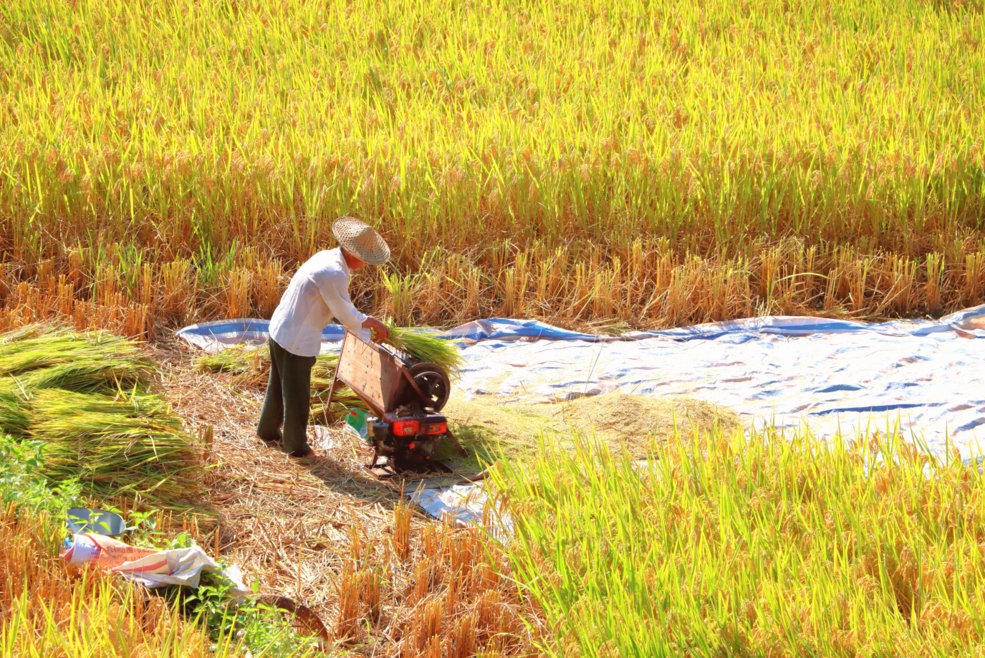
column 329, row 535
column 288, row 524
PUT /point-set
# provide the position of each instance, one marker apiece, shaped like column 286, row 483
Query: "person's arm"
column 335, row 292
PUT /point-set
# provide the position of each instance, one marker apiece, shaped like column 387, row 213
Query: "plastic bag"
column 356, row 423
column 147, row 566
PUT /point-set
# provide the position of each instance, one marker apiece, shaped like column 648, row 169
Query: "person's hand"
column 378, row 329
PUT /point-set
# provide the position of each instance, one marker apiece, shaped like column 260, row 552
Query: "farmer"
column 318, row 292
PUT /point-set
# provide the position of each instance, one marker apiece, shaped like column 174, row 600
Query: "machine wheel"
column 433, row 382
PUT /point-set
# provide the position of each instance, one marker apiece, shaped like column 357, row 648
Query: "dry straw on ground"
column 384, row 580
column 619, row 420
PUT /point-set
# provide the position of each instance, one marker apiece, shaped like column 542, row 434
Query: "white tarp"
column 465, row 503
column 933, row 385
column 928, row 376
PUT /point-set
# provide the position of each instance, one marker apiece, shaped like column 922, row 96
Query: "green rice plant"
column 426, row 347
column 117, row 446
column 24, row 487
column 58, row 358
column 751, row 545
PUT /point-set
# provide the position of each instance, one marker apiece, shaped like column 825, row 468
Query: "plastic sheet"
column 149, row 567
column 220, row 334
column 465, row 504
column 832, row 375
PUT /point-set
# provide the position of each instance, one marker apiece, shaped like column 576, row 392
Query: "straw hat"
column 360, row 240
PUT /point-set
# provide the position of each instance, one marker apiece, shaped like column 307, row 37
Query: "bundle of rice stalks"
column 426, row 347
column 14, row 417
column 129, row 445
column 46, row 358
column 89, row 375
column 325, row 366
column 321, row 381
column 343, row 400
column 249, row 366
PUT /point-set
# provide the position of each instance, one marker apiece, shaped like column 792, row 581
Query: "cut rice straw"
column 62, row 359
column 14, row 417
column 250, row 367
column 68, row 391
column 116, row 446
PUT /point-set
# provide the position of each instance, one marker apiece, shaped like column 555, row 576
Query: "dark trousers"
column 288, row 398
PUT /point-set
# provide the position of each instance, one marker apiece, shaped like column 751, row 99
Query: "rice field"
column 763, row 545
column 594, row 164
column 723, row 543
column 656, row 163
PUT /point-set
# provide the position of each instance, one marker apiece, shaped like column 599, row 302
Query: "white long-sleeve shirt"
column 318, row 291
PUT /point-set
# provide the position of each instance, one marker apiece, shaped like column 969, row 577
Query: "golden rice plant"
column 168, row 156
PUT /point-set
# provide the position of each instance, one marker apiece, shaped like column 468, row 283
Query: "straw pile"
column 86, row 398
column 130, row 445
column 622, row 421
column 58, row 358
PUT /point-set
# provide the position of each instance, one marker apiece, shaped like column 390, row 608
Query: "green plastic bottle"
column 355, row 421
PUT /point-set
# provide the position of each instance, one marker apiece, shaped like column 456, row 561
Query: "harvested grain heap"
column 620, row 420
column 87, row 398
